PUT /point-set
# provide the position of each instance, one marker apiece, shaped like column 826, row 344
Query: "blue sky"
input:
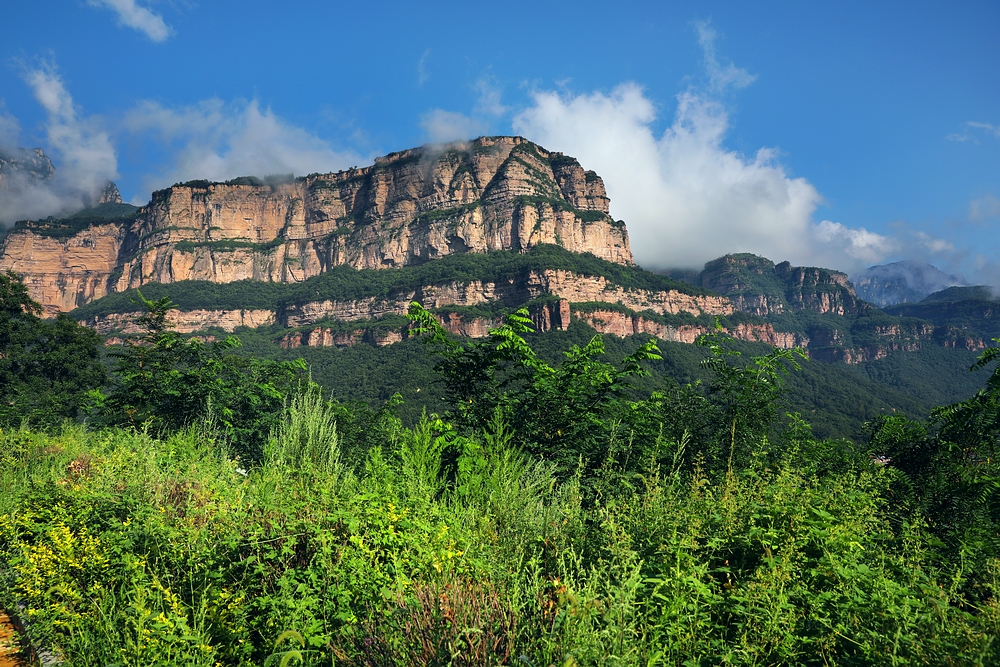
column 843, row 135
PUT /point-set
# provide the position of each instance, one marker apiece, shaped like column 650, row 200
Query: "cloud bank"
column 442, row 126
column 80, row 146
column 133, row 15
column 685, row 197
column 218, row 141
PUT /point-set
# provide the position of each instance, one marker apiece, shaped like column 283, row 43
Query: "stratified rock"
column 756, row 285
column 495, row 193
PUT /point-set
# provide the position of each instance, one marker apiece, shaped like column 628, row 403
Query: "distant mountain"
column 903, row 282
column 22, row 163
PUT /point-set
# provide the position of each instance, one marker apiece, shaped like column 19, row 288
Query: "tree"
column 565, row 413
column 950, row 466
column 46, row 367
column 166, row 381
column 746, row 395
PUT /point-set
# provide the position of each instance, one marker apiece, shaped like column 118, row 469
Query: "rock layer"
column 495, row 193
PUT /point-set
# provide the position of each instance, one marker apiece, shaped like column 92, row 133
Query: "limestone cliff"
column 493, row 193
column 512, row 292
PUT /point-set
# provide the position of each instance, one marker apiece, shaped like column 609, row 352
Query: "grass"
column 438, row 549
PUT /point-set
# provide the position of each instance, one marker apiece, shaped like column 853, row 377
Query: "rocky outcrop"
column 819, row 290
column 64, row 273
column 495, row 193
column 329, row 337
column 565, row 285
column 184, row 321
column 21, row 165
column 757, row 286
column 110, row 194
column 859, row 355
column 623, row 324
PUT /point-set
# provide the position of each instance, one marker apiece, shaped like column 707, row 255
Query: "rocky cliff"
column 758, row 286
column 18, row 165
column 493, row 193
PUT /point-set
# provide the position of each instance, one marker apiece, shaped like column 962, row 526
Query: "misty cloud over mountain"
column 903, row 282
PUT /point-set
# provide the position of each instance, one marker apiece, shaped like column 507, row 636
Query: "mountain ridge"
column 493, row 193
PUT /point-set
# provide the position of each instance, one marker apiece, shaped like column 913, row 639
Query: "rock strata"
column 494, row 193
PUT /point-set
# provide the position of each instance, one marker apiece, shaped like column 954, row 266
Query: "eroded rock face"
column 495, row 193
column 64, row 273
column 758, row 286
column 628, row 324
column 187, row 321
column 565, row 285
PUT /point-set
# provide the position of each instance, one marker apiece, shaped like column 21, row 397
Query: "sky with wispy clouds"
column 844, row 135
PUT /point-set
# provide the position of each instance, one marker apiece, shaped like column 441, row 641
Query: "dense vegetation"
column 348, row 283
column 230, row 513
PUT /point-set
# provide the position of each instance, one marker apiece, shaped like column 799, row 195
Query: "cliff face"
column 495, row 193
column 758, row 286
column 554, row 315
column 566, row 285
column 64, row 273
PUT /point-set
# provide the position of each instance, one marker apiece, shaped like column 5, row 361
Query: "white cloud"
column 86, row 156
column 446, row 126
column 422, row 75
column 218, row 141
column 720, row 76
column 685, row 197
column 490, row 94
column 860, row 244
column 133, row 15
column 984, row 208
column 10, row 128
column 972, row 128
column 986, row 127
column 80, row 147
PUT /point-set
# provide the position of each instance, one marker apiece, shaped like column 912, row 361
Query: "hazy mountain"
column 902, row 282
column 21, row 164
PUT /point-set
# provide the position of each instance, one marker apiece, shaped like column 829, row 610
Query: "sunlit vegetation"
column 206, row 508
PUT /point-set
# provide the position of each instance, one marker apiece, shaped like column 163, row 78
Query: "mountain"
column 17, row 164
column 495, row 193
column 966, row 317
column 759, row 286
column 324, row 267
column 902, row 282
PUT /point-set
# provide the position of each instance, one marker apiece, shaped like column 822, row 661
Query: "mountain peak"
column 907, row 281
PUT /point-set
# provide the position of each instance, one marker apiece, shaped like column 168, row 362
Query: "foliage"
column 166, row 381
column 556, row 515
column 746, row 395
column 950, row 467
column 562, row 412
column 46, row 367
column 347, row 283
